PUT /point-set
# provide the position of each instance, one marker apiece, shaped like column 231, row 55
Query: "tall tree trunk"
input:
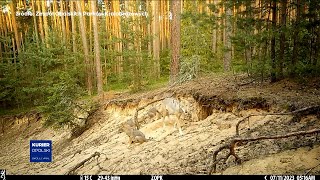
column 314, row 11
column 45, row 23
column 234, row 14
column 137, row 47
column 214, row 34
column 1, row 34
column 162, row 20
column 14, row 24
column 85, row 49
column 96, row 48
column 119, row 35
column 91, row 44
column 63, row 25
column 14, row 57
column 66, row 20
column 156, row 41
column 35, row 21
column 175, row 41
column 9, row 23
column 227, row 41
column 219, row 32
column 54, row 9
column 73, row 26
column 149, row 10
column 317, row 44
column 40, row 22
column 273, row 41
column 248, row 48
column 282, row 36
column 167, row 25
column 107, row 30
column 295, row 50
column 2, row 27
column 5, row 32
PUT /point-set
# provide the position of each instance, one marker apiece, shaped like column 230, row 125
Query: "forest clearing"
column 160, row 87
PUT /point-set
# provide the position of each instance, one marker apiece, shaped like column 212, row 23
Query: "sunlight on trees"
column 133, row 44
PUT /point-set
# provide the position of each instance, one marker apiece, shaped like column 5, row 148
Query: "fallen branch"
column 72, row 170
column 243, row 84
column 299, row 112
column 311, row 169
column 240, row 141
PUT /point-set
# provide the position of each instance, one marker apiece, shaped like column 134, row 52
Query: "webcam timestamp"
column 290, row 177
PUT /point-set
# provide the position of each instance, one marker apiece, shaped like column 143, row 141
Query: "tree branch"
column 311, row 169
column 240, row 141
column 299, row 112
column 72, row 170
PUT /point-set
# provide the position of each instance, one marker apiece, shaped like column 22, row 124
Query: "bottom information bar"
column 160, row 177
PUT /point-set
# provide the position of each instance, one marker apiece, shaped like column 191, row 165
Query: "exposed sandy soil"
column 295, row 161
column 169, row 153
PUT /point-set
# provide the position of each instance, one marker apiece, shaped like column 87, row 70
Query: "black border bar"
column 163, row 177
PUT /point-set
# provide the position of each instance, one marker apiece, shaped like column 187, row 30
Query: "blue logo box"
column 40, row 151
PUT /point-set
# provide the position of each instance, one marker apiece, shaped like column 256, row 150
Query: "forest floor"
column 220, row 101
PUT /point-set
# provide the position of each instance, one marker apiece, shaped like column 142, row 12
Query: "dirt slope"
column 169, row 153
column 297, row 161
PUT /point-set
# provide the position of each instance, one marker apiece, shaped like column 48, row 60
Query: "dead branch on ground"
column 311, row 169
column 72, row 170
column 299, row 112
column 244, row 83
column 241, row 141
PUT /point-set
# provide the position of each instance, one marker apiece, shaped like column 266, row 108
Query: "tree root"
column 231, row 147
column 72, row 170
column 241, row 141
column 98, row 164
column 299, row 112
